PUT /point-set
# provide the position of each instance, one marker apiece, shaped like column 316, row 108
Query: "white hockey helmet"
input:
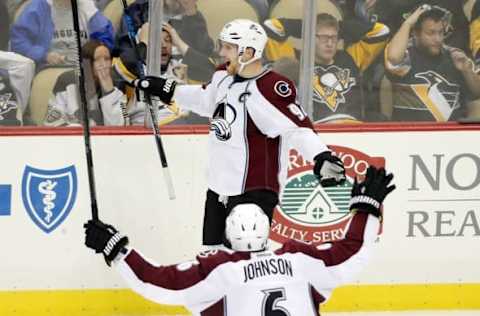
column 245, row 33
column 247, row 228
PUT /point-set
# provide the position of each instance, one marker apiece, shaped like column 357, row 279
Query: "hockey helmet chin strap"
column 243, row 64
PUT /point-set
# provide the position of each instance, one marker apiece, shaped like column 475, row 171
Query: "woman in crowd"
column 106, row 99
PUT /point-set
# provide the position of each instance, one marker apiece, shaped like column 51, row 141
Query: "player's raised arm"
column 180, row 284
column 345, row 258
column 196, row 98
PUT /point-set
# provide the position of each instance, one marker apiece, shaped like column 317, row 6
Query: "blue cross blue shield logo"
column 49, row 195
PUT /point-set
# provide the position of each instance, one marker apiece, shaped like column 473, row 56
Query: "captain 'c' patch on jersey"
column 330, row 85
column 439, row 96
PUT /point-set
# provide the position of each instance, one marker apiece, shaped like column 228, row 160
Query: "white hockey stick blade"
column 169, row 183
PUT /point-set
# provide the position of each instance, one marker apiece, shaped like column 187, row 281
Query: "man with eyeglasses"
column 336, row 82
column 431, row 81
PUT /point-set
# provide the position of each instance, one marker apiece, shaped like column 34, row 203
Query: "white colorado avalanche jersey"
column 291, row 281
column 252, row 119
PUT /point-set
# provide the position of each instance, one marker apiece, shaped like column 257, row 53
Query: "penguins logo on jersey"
column 223, row 118
column 6, row 104
column 331, row 84
column 437, row 94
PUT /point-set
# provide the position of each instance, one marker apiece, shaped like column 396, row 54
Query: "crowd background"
column 375, row 60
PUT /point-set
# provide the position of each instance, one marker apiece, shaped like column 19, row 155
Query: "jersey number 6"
column 270, row 300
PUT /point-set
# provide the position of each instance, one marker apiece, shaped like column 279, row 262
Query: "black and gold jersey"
column 336, row 87
column 426, row 88
column 336, row 91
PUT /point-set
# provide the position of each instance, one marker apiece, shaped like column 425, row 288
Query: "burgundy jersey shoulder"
column 281, row 92
column 276, row 88
column 333, row 253
column 211, row 259
column 183, row 275
column 294, row 246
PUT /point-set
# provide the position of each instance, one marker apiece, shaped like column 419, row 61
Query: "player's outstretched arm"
column 196, row 98
column 349, row 255
column 175, row 284
column 333, row 264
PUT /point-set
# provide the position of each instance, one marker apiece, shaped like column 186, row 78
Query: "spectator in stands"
column 44, row 31
column 106, row 99
column 336, row 82
column 394, row 12
column 431, row 81
column 4, row 26
column 189, row 23
column 200, row 66
column 127, row 65
column 16, row 74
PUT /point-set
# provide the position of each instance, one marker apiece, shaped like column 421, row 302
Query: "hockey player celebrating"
column 253, row 115
column 251, row 280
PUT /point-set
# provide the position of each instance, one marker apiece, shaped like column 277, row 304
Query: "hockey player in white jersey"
column 250, row 280
column 253, row 113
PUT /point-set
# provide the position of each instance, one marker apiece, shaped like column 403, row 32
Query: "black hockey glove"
column 368, row 195
column 329, row 169
column 104, row 239
column 159, row 87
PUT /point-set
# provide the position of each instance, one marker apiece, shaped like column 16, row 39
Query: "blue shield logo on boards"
column 49, row 195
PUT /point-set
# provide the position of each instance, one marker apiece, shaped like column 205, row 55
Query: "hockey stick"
column 84, row 106
column 142, row 97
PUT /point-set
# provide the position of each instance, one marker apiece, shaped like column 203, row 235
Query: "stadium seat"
column 114, row 11
column 467, row 8
column 42, row 87
column 386, row 97
column 218, row 13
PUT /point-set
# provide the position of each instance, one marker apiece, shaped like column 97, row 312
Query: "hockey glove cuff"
column 104, row 239
column 157, row 86
column 329, row 169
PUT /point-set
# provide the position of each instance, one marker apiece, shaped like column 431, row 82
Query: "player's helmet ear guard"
column 247, row 228
column 245, row 33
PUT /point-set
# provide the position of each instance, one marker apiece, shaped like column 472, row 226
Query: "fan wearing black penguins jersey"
column 431, row 81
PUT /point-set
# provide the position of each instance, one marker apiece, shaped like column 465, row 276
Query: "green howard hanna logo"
column 309, row 212
column 305, row 201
